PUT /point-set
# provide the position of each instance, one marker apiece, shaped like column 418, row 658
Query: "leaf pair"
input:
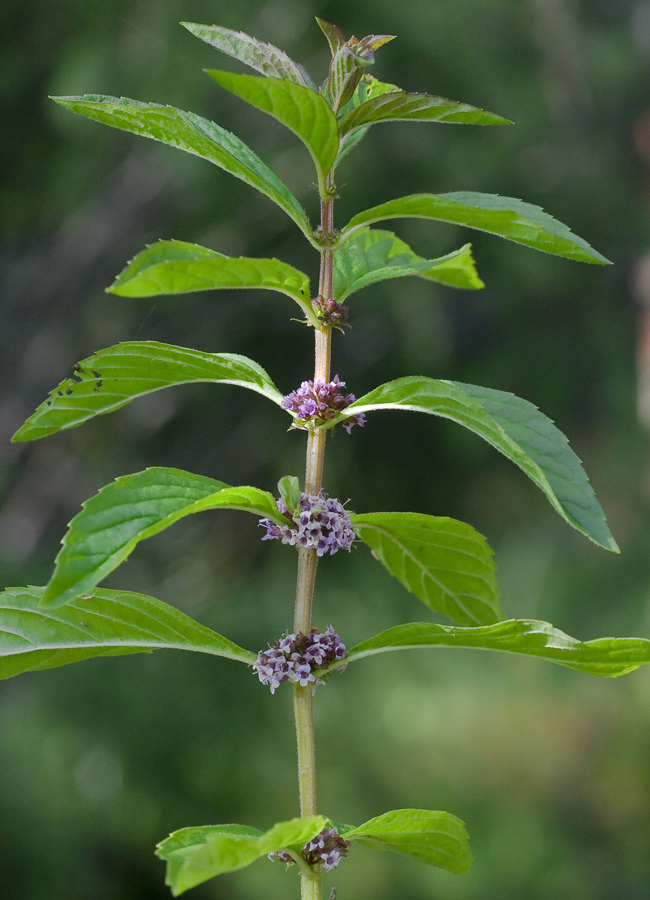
column 111, row 378
column 445, row 563
column 370, row 256
column 194, row 855
column 504, row 216
column 114, row 623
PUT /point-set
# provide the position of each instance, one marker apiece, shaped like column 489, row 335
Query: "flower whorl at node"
column 327, row 848
column 329, row 312
column 295, row 657
column 317, row 401
column 321, row 524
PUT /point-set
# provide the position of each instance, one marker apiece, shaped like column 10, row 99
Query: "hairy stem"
column 311, row 887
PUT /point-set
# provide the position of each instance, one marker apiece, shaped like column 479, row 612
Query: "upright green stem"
column 311, row 888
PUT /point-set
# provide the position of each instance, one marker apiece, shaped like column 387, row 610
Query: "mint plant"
column 443, row 562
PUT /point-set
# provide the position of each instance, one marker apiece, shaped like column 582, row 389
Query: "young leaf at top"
column 113, row 377
column 399, row 106
column 608, row 657
column 131, row 509
column 514, row 427
column 177, row 267
column 446, row 563
column 193, row 855
column 373, row 255
column 349, row 60
column 506, row 217
column 195, row 135
column 102, row 623
column 334, row 35
column 263, row 57
column 432, row 837
column 298, row 108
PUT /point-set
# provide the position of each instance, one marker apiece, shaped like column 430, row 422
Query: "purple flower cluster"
column 322, row 524
column 327, row 848
column 295, row 657
column 317, row 401
column 329, row 312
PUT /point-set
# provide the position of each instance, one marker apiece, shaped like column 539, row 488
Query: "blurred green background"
column 550, row 769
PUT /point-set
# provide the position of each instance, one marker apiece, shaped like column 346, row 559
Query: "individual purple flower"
column 315, row 402
column 297, row 657
column 272, row 667
column 281, row 856
column 321, row 524
column 302, row 674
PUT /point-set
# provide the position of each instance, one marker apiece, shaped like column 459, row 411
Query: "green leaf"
column 289, row 490
column 334, row 35
column 608, row 657
column 549, row 449
column 446, row 563
column 299, row 109
column 372, row 87
column 349, row 60
column 348, row 143
column 433, row 837
column 368, row 88
column 373, row 255
column 176, row 267
column 111, row 378
column 102, row 623
column 131, row 509
column 506, row 217
column 343, row 79
column 195, row 135
column 194, row 855
column 397, row 105
column 515, row 428
column 263, row 57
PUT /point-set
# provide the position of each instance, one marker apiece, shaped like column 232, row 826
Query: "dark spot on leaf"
column 69, row 391
column 60, row 393
column 84, row 624
column 76, row 378
column 49, row 402
column 97, row 386
column 96, row 374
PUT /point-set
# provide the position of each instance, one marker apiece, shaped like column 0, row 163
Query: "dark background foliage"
column 548, row 768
